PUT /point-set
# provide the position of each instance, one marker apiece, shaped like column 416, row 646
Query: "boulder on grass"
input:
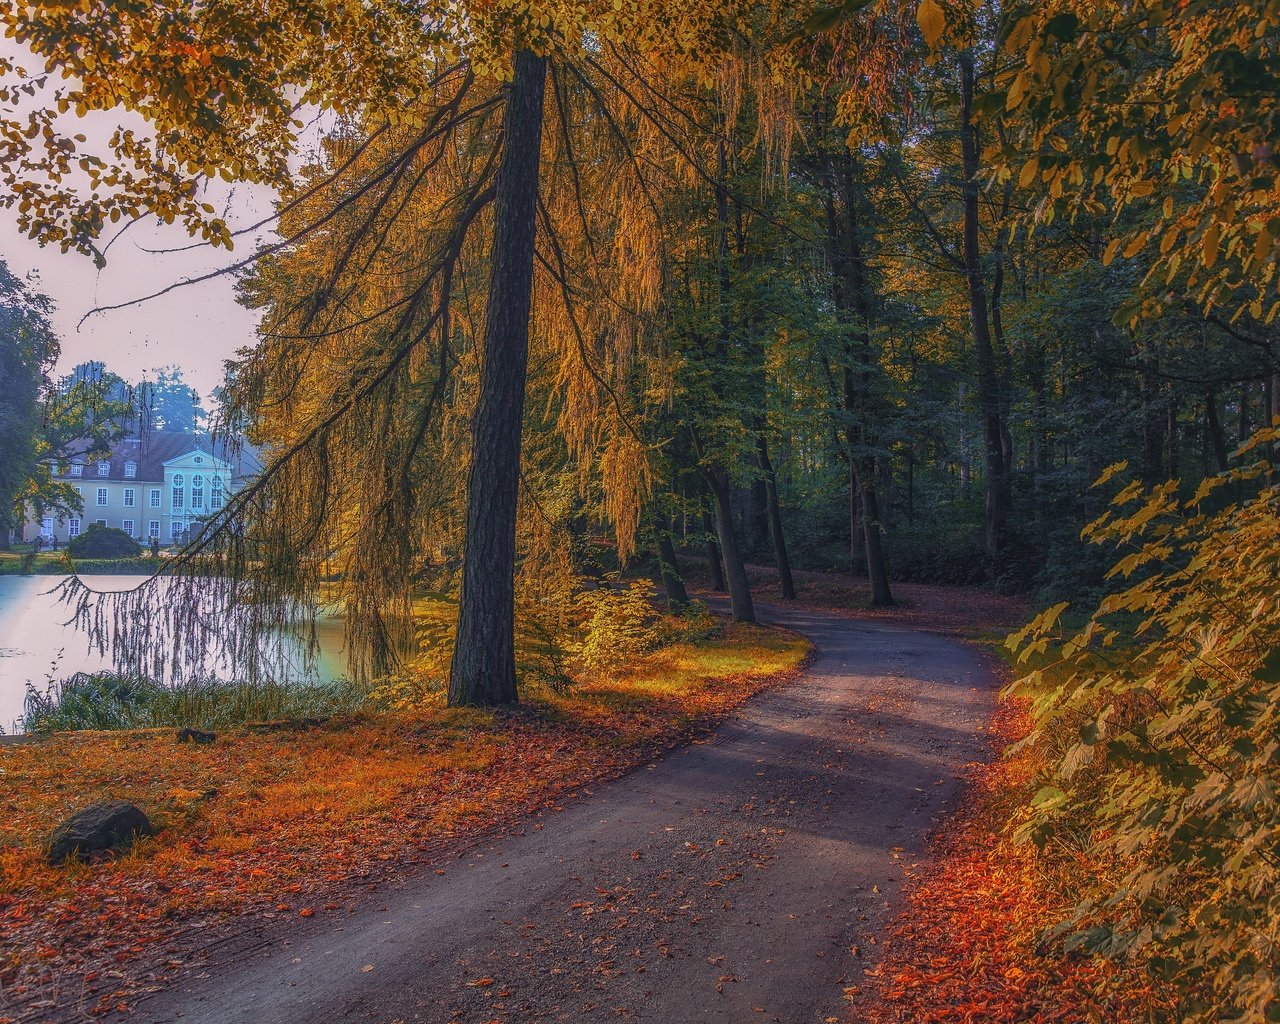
column 110, row 825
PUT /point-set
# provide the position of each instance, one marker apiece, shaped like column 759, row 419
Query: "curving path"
column 737, row 880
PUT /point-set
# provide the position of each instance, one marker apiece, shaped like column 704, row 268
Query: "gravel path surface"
column 740, row 879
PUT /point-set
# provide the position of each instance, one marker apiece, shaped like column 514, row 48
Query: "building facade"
column 159, row 486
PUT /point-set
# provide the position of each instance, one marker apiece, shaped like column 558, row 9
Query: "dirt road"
column 741, row 879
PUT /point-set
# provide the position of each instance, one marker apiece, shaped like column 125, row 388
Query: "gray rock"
column 110, row 825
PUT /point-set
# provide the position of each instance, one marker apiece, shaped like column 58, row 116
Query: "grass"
column 279, row 822
column 111, row 700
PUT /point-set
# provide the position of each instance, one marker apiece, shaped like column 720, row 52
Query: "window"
column 178, row 498
column 175, row 530
column 127, row 526
column 104, row 467
column 53, row 467
column 197, row 491
column 128, row 497
column 153, row 528
column 102, row 495
column 73, row 527
column 198, row 460
column 155, row 497
column 46, row 528
column 100, row 522
column 80, row 491
column 130, row 470
column 217, row 496
column 77, row 469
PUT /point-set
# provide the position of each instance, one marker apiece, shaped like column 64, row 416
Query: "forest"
column 577, row 319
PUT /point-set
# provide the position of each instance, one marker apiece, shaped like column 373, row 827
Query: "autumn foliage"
column 968, row 947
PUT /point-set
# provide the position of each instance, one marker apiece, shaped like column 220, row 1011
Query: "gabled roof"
column 155, row 448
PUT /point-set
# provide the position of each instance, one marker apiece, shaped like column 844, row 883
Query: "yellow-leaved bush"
column 1158, row 723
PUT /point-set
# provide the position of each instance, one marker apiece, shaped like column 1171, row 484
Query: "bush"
column 1159, row 725
column 103, row 542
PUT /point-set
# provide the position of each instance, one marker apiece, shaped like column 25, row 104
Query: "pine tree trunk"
column 785, row 582
column 484, row 670
column 735, row 568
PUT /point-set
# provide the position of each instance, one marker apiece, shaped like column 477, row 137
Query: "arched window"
column 197, row 491
column 179, row 493
column 217, row 494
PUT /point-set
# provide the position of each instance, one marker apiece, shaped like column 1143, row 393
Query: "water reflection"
column 38, row 644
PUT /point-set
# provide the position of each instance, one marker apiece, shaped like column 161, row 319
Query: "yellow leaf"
column 932, row 21
column 1209, row 246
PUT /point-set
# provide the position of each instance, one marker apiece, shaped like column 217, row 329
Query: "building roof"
column 156, row 447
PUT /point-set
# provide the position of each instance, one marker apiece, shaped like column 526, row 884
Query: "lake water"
column 37, row 643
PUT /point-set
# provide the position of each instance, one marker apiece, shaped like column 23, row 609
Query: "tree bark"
column 877, row 575
column 1217, row 439
column 988, row 379
column 785, row 582
column 669, row 567
column 715, row 565
column 735, row 569
column 483, row 671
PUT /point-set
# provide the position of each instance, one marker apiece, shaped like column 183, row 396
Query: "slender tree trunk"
column 734, row 568
column 669, row 567
column 855, row 521
column 1217, row 438
column 1153, row 423
column 1242, row 412
column 877, row 575
column 715, row 565
column 988, row 379
column 911, row 486
column 1175, row 455
column 484, row 669
column 785, row 582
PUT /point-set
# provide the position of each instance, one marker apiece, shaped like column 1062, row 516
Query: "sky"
column 195, row 327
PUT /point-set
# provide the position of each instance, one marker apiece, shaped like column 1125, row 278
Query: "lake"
column 37, row 643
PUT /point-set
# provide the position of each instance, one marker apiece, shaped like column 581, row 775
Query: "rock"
column 110, row 825
column 195, row 736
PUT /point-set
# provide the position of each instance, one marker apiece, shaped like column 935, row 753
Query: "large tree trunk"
column 484, row 668
column 785, row 582
column 997, row 488
column 735, row 568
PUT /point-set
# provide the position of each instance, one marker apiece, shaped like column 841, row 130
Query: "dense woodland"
column 570, row 289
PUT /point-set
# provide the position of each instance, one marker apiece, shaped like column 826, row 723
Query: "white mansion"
column 159, row 485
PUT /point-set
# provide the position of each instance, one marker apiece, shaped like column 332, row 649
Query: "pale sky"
column 195, row 327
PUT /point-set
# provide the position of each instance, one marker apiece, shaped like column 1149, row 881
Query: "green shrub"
column 103, row 542
column 1159, row 724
